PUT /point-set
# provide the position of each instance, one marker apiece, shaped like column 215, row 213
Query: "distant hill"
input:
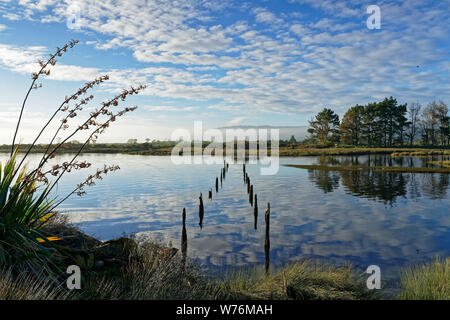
column 300, row 132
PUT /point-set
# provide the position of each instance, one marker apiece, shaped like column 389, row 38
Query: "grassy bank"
column 444, row 163
column 344, row 151
column 165, row 149
column 375, row 168
column 421, row 153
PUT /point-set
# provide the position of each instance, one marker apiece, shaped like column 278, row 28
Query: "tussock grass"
column 29, row 287
column 154, row 272
column 300, row 281
column 429, row 281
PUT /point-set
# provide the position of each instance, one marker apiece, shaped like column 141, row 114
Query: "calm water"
column 361, row 217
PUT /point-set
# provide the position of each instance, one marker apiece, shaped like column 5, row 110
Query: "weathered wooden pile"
column 253, row 200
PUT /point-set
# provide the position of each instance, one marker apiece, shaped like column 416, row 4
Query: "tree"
column 413, row 121
column 132, row 141
column 370, row 124
column 392, row 119
column 351, row 126
column 383, row 123
column 401, row 122
column 325, row 126
column 443, row 122
column 430, row 117
column 292, row 140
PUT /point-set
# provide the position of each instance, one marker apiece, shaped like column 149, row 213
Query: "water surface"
column 359, row 217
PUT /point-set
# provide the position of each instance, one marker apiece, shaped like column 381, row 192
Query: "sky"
column 225, row 63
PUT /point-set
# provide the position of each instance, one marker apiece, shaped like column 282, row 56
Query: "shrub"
column 26, row 201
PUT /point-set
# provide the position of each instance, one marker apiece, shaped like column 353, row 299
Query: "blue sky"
column 223, row 62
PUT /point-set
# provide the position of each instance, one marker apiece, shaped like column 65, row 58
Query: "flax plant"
column 26, row 198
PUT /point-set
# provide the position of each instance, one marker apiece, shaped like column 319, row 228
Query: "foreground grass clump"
column 22, row 214
column 427, row 282
column 299, row 281
column 152, row 272
column 29, row 287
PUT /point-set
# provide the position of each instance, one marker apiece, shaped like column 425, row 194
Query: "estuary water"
column 362, row 217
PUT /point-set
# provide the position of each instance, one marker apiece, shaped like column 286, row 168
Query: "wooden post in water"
column 248, row 185
column 184, row 240
column 201, row 211
column 255, row 212
column 210, row 194
column 250, row 197
column 245, row 175
column 224, row 172
column 221, row 178
column 217, row 184
column 267, row 239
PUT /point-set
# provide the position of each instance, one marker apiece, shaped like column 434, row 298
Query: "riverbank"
column 125, row 268
column 374, row 168
column 297, row 150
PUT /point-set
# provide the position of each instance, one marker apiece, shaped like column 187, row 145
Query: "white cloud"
column 11, row 16
column 168, row 108
column 265, row 16
column 24, row 60
column 2, row 27
column 236, row 121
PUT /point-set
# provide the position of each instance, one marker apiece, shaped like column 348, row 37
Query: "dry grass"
column 154, row 272
column 28, row 287
column 300, row 281
column 429, row 281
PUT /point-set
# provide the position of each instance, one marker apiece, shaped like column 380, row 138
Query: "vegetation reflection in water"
column 378, row 185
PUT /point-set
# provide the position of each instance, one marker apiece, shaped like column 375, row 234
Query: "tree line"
column 385, row 124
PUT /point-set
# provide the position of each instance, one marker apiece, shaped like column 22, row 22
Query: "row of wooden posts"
column 253, row 202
